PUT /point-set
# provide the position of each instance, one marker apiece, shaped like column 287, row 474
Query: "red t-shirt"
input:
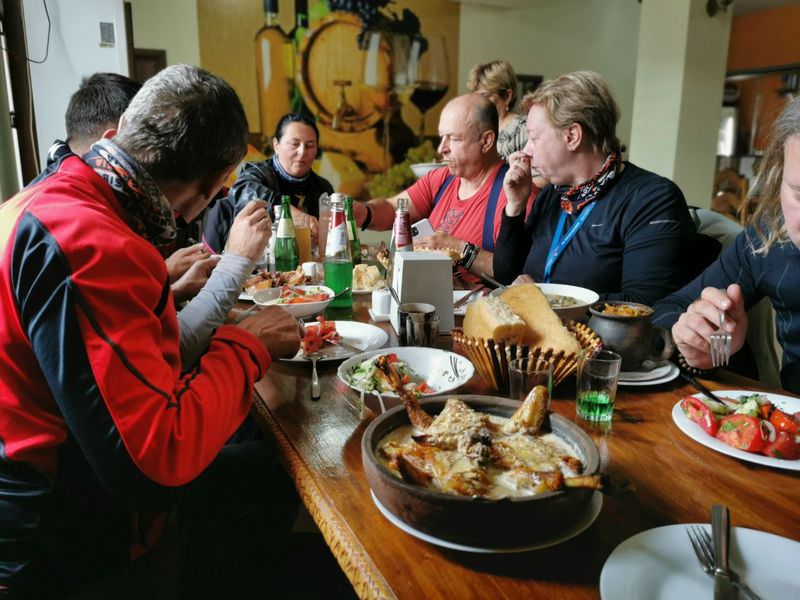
column 460, row 218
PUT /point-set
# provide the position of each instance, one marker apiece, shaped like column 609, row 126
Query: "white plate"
column 245, row 297
column 595, row 504
column 431, row 365
column 361, row 335
column 659, row 564
column 358, row 292
column 661, row 374
column 694, row 431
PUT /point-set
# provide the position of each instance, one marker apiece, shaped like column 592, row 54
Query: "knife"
column 466, row 298
column 698, row 386
column 720, row 530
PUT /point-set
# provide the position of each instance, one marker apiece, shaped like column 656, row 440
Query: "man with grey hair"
column 99, row 427
column 464, row 199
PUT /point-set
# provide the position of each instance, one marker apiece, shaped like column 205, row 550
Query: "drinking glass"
column 428, row 70
column 524, row 375
column 324, row 222
column 597, row 385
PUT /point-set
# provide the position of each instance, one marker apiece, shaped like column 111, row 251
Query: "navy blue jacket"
column 634, row 246
column 774, row 275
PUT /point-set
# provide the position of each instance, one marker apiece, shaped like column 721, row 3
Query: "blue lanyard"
column 558, row 244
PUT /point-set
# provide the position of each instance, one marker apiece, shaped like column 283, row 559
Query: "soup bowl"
column 503, row 523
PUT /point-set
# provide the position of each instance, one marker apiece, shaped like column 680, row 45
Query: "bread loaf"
column 491, row 319
column 544, row 327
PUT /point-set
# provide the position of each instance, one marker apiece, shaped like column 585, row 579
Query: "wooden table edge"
column 361, row 571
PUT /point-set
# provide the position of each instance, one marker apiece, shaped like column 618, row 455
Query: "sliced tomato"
column 783, row 447
column 742, row 432
column 765, row 410
column 783, row 422
column 424, row 388
column 698, row 412
column 391, row 358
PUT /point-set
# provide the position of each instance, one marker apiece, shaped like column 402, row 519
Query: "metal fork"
column 454, row 366
column 704, row 550
column 720, row 344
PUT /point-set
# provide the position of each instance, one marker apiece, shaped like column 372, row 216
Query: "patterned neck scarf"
column 575, row 198
column 147, row 210
column 284, row 174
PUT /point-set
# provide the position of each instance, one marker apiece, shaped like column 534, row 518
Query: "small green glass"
column 597, row 386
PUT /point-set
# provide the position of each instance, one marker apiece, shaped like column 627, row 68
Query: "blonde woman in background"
column 497, row 81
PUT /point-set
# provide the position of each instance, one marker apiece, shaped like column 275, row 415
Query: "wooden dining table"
column 654, row 475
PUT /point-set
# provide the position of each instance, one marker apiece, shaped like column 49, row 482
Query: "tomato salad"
column 317, row 335
column 751, row 423
column 368, row 376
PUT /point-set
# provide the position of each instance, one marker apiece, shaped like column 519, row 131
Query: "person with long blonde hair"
column 764, row 261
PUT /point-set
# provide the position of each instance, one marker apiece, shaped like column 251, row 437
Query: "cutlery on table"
column 719, row 343
column 315, row 394
column 702, row 546
column 698, row 386
column 492, row 281
column 720, row 529
column 341, row 293
column 462, row 301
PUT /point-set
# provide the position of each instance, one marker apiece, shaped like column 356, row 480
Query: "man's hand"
column 517, row 183
column 439, row 239
column 191, row 282
column 276, row 329
column 701, row 319
column 250, row 231
column 179, row 261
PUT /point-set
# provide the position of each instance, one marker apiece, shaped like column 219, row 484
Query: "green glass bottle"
column 286, row 254
column 338, row 264
column 352, row 230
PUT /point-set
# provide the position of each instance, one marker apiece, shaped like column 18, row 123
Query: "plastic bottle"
column 338, row 262
column 285, row 251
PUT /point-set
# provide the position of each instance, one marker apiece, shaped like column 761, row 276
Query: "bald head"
column 476, row 110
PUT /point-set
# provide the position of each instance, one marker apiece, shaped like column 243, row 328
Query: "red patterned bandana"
column 575, row 198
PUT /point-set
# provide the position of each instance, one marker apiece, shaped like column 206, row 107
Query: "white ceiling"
column 741, row 7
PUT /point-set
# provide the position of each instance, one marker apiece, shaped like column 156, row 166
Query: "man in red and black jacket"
column 97, row 422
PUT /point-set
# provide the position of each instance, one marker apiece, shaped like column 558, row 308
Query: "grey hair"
column 184, row 124
column 768, row 221
column 581, row 97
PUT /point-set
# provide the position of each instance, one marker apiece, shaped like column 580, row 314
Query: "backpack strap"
column 442, row 189
column 488, row 217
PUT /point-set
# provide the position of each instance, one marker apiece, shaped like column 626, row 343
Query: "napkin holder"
column 424, row 277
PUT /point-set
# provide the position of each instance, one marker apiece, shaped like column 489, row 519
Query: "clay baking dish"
column 475, row 521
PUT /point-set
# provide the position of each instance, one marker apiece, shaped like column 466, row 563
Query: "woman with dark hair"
column 762, row 262
column 288, row 172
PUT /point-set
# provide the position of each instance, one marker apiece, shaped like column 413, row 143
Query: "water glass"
column 524, row 375
column 597, row 385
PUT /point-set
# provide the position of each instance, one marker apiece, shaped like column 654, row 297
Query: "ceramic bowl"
column 299, row 310
column 475, row 521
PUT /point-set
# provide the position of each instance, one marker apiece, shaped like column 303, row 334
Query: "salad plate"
column 299, row 301
column 694, row 431
column 659, row 564
column 430, row 366
column 361, row 336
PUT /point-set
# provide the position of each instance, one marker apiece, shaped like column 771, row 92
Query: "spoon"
column 342, row 293
column 314, row 377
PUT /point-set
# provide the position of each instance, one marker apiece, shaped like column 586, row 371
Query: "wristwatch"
column 468, row 255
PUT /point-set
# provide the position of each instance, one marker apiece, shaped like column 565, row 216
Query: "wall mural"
column 374, row 74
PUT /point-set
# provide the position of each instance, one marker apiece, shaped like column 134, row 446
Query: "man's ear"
column 488, row 140
column 212, row 184
column 108, row 134
column 573, row 136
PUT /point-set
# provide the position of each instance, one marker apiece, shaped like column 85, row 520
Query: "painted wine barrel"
column 333, row 65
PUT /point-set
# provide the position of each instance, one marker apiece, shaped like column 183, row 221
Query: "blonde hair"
column 581, row 97
column 768, row 219
column 496, row 76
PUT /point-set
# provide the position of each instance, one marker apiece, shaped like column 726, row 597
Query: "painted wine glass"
column 429, row 72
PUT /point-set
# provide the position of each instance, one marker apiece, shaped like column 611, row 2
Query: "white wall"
column 168, row 25
column 551, row 37
column 75, row 53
